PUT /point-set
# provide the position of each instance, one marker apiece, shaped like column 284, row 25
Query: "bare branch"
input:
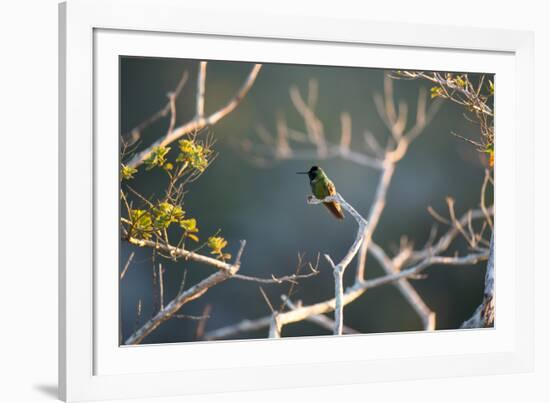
column 332, row 151
column 413, row 298
column 445, row 240
column 373, row 145
column 274, row 327
column 267, row 301
column 265, row 322
column 293, row 278
column 135, row 133
column 340, row 268
column 186, row 296
column 345, row 139
column 172, row 101
column 458, row 224
column 201, row 326
column 458, row 88
column 396, row 124
column 201, row 84
column 241, row 327
column 314, row 126
column 482, row 202
column 374, row 216
column 484, row 316
column 198, row 123
column 299, row 313
column 359, row 288
column 161, row 287
column 127, row 265
column 190, row 317
column 437, row 216
column 321, row 320
column 181, row 253
column 283, row 149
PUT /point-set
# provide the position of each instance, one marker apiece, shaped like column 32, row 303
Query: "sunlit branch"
column 339, row 269
column 484, row 316
column 135, row 134
column 199, row 122
column 359, row 288
column 186, row 296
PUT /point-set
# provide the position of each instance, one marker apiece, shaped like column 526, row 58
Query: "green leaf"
column 436, row 92
column 142, row 224
column 216, row 244
column 157, row 157
column 166, row 214
column 189, row 225
column 127, row 172
column 193, row 237
column 193, row 154
column 460, row 81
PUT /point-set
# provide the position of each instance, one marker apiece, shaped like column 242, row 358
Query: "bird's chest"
column 319, row 188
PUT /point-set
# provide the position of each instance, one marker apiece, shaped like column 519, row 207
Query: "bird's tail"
column 335, row 209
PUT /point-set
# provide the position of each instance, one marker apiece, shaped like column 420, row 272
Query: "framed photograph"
column 268, row 207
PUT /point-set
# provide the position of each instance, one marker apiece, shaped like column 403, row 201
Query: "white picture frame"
column 92, row 366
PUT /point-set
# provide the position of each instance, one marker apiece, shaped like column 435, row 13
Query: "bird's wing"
column 331, row 188
column 334, row 207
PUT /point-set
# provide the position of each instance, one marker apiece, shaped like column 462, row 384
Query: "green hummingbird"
column 321, row 187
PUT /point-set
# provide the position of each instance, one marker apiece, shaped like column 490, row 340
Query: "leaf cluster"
column 217, row 244
column 154, row 219
column 474, row 95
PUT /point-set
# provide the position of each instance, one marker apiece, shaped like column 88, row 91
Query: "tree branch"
column 135, row 133
column 241, row 327
column 186, row 296
column 199, row 122
column 413, row 298
column 293, row 278
column 339, row 269
column 201, row 84
column 359, row 288
column 484, row 316
column 181, row 253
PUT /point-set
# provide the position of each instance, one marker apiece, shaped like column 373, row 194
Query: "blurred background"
column 266, row 203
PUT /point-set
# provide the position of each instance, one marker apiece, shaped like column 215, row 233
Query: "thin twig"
column 127, row 265
column 135, row 133
column 374, row 216
column 201, row 326
column 340, row 268
column 244, row 326
column 482, row 202
column 181, row 253
column 350, row 295
column 161, row 286
column 359, row 288
column 413, row 298
column 190, row 317
column 321, row 320
column 201, row 84
column 293, row 278
column 267, row 301
column 186, row 296
column 484, row 316
column 198, row 123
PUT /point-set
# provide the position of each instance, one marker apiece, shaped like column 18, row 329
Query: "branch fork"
column 340, row 268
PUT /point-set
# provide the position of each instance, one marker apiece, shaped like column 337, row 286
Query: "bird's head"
column 312, row 173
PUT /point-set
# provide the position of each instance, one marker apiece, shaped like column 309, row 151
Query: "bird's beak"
column 302, row 173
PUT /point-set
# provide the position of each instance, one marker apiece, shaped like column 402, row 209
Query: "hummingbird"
column 321, row 187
